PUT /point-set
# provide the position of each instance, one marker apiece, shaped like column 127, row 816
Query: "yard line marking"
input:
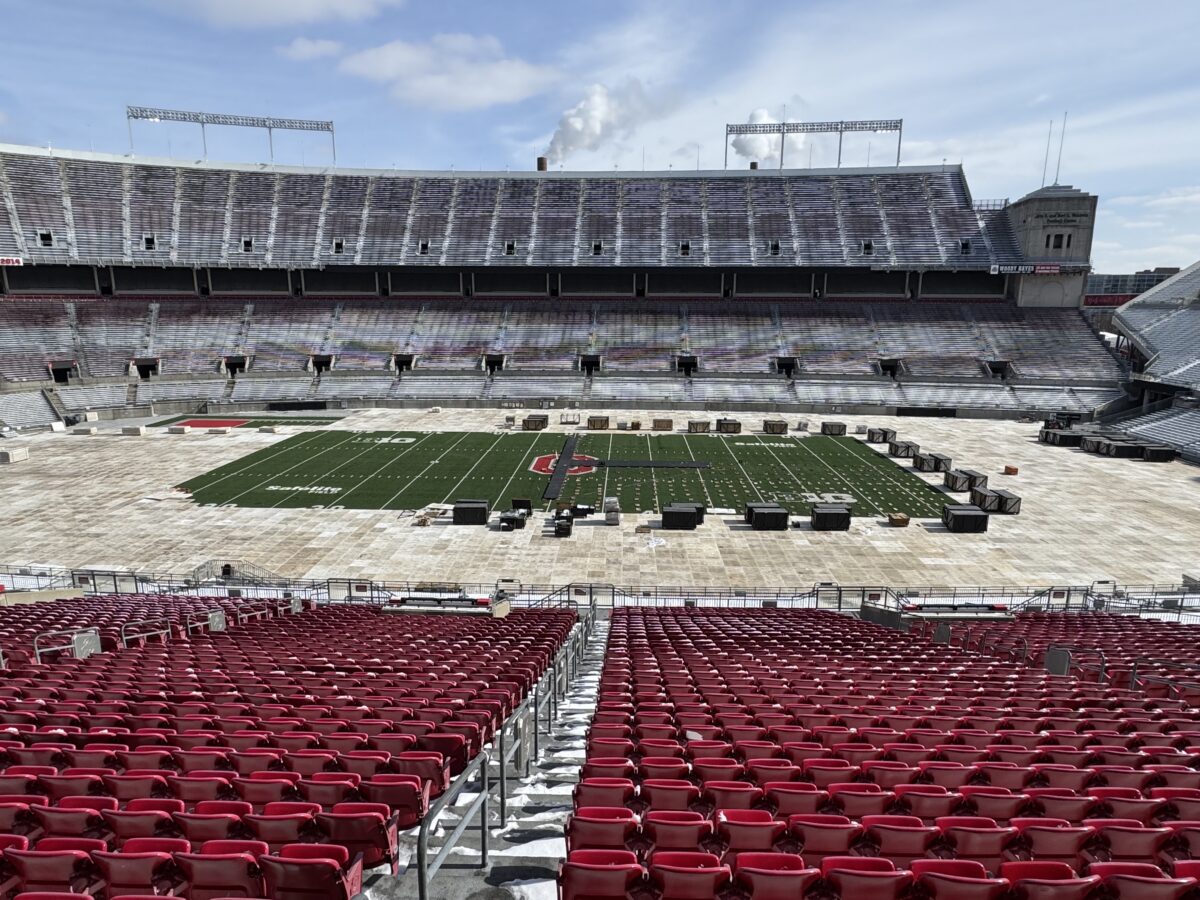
column 305, row 461
column 707, row 496
column 432, row 463
column 412, row 446
column 653, row 479
column 519, row 468
column 308, row 438
column 604, row 489
column 901, row 482
column 783, row 465
column 341, row 465
column 482, row 457
column 749, row 480
column 854, row 492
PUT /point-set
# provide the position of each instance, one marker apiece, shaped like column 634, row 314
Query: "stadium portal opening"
column 786, row 366
column 146, row 368
column 63, row 372
column 589, row 364
column 403, row 362
column 235, row 365
column 493, row 362
column 999, row 368
column 322, row 364
column 891, row 368
column 686, row 364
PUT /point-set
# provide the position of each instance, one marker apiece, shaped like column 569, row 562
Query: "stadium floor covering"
column 411, row 470
column 109, row 502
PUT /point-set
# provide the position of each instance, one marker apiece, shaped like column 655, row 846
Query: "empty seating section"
column 160, row 391
column 193, row 337
column 455, row 337
column 94, row 396
column 31, row 337
column 834, row 341
column 278, row 758
column 1179, row 427
column 1048, row 344
column 26, row 410
column 746, row 342
column 365, row 335
column 558, row 216
column 809, row 754
column 111, row 334
column 547, row 337
column 944, row 348
column 285, row 336
column 1164, row 325
column 263, row 389
column 647, row 339
column 1159, row 649
column 210, row 216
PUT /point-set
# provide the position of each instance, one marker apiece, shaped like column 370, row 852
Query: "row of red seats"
column 325, row 726
column 1121, row 640
column 75, row 867
column 20, row 623
column 801, row 732
column 856, row 798
column 368, row 827
column 605, row 874
column 901, row 839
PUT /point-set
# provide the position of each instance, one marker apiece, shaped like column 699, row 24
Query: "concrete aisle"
column 523, row 856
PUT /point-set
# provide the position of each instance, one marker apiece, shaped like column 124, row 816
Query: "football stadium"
column 743, row 533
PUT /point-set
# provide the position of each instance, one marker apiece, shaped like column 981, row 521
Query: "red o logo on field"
column 544, row 465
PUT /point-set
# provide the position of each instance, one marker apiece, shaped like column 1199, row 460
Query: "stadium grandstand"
column 151, row 283
column 820, row 546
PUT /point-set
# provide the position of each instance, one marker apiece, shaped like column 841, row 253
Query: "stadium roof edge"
column 134, row 159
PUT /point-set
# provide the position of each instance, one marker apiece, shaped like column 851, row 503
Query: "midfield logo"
column 545, row 465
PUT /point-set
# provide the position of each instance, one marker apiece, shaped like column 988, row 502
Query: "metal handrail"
column 426, row 869
column 1165, row 663
column 128, row 635
column 39, row 650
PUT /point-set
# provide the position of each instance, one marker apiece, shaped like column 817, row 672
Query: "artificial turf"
column 409, row 470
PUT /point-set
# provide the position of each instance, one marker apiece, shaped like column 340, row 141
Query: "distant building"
column 1115, row 290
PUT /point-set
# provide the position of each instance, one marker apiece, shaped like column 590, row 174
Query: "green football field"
column 200, row 421
column 409, row 470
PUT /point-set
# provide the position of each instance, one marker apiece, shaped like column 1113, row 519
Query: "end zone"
column 213, row 423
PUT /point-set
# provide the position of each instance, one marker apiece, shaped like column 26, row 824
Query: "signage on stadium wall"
column 11, row 261
column 1044, row 269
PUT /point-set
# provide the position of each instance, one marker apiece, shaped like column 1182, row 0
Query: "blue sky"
column 475, row 85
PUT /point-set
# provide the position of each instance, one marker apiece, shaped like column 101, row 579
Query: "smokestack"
column 754, row 164
column 541, row 164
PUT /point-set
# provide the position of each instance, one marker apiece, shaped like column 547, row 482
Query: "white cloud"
column 303, row 49
column 451, row 72
column 603, row 116
column 266, row 13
